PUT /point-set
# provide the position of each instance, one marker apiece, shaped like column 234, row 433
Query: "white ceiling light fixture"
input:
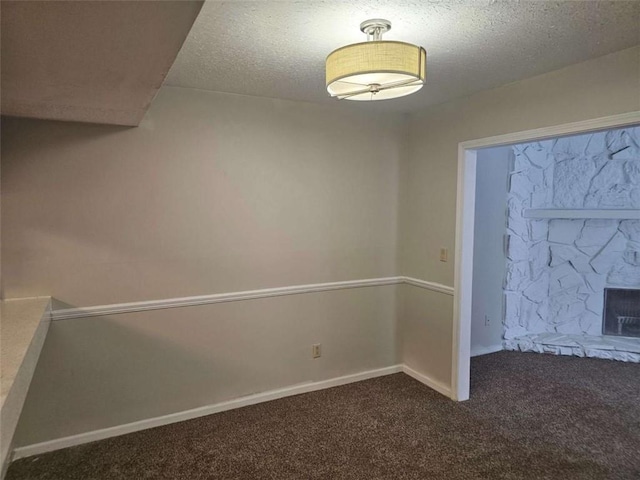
column 375, row 69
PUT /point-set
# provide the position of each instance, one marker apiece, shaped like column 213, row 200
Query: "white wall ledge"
column 577, row 213
column 23, row 327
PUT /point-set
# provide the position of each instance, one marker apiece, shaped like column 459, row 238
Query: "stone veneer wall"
column 557, row 269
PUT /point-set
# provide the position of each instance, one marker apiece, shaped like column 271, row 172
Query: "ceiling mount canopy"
column 375, row 69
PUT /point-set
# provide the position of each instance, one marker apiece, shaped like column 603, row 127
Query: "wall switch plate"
column 316, row 350
column 444, row 254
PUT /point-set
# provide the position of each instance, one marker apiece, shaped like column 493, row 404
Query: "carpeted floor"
column 531, row 416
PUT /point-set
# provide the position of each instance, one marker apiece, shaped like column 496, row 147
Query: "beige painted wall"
column 106, row 371
column 605, row 86
column 212, row 193
column 424, row 331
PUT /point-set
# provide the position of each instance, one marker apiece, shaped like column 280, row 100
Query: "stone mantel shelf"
column 576, row 213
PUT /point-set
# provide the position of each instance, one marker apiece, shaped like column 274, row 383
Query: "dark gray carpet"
column 531, row 416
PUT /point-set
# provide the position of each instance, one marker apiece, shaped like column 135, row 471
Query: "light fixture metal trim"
column 374, row 28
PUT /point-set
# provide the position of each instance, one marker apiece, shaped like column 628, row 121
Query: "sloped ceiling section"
column 89, row 61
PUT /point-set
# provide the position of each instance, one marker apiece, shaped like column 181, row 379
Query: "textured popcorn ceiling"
column 277, row 48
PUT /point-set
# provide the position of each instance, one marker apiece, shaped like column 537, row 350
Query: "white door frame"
column 465, row 213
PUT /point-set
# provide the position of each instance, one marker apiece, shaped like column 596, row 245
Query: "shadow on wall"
column 106, row 371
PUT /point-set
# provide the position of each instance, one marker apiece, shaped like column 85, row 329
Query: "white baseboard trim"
column 119, row 308
column 73, row 440
column 429, row 382
column 479, row 350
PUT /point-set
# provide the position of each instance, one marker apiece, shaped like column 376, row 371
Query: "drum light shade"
column 375, row 70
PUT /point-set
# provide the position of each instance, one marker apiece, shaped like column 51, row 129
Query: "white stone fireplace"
column 573, row 230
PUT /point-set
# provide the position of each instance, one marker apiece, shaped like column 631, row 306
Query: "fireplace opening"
column 621, row 312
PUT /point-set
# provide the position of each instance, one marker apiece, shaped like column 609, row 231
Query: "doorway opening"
column 546, row 220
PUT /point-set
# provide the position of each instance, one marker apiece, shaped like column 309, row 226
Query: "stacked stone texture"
column 557, row 269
